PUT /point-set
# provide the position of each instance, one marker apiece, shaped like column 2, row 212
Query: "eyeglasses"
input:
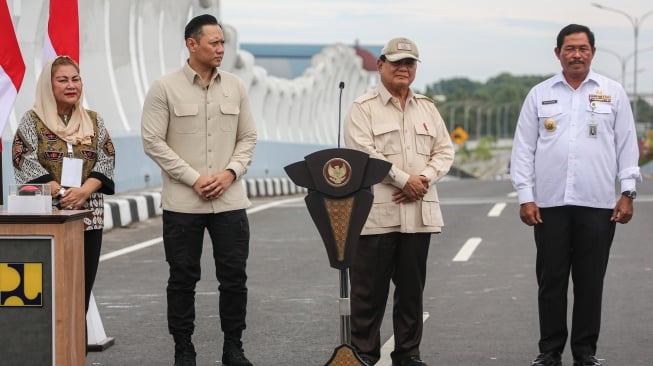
column 572, row 50
column 408, row 62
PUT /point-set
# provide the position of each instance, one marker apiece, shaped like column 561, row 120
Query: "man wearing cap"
column 394, row 124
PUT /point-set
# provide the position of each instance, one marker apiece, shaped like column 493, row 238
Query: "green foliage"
column 463, row 153
column 492, row 108
column 644, row 111
column 646, row 148
column 484, row 149
column 503, row 88
column 483, row 109
column 457, row 88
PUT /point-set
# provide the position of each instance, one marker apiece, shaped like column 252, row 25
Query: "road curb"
column 124, row 209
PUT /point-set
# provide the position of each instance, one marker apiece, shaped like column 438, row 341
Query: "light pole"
column 623, row 60
column 636, row 22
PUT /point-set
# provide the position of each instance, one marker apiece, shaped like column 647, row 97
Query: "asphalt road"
column 480, row 302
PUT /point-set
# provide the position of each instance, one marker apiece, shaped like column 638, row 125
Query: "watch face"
column 630, row 194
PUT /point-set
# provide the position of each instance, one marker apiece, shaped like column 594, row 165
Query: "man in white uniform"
column 574, row 139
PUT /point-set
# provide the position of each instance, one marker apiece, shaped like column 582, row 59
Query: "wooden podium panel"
column 62, row 235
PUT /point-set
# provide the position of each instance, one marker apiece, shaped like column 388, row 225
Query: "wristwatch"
column 630, row 194
column 60, row 192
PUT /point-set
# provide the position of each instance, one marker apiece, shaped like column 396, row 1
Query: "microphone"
column 341, row 86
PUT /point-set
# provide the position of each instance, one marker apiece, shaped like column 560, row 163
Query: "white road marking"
column 467, row 250
column 159, row 240
column 268, row 205
column 389, row 346
column 496, row 209
column 512, row 194
column 130, row 249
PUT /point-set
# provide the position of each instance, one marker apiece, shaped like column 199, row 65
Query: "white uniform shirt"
column 590, row 143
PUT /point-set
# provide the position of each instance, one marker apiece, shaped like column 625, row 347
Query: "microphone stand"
column 339, row 206
column 341, row 86
column 344, row 303
column 346, row 353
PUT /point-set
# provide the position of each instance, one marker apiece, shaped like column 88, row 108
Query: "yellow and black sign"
column 21, row 284
column 459, row 136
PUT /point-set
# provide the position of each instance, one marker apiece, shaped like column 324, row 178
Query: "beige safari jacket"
column 191, row 130
column 415, row 141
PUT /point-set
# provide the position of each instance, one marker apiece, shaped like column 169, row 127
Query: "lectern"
column 42, row 289
column 339, row 199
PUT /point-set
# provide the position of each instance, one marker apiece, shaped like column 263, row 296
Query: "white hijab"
column 80, row 127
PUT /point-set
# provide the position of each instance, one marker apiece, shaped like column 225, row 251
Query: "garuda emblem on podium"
column 337, row 172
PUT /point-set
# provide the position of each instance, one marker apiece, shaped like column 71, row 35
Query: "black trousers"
column 379, row 259
column 183, row 237
column 576, row 240
column 92, row 247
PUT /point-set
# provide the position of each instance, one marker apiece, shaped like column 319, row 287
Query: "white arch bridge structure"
column 126, row 45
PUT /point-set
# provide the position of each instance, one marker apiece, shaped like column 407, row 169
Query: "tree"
column 484, row 109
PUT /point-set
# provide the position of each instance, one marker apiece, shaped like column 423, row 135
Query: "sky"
column 474, row 39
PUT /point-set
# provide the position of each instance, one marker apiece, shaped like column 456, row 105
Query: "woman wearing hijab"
column 58, row 138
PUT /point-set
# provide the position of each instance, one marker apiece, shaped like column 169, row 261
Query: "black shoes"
column 235, row 358
column 410, row 361
column 587, row 361
column 232, row 351
column 185, row 359
column 184, row 354
column 233, row 354
column 547, row 359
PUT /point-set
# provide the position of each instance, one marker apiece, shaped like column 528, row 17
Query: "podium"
column 42, row 289
column 339, row 200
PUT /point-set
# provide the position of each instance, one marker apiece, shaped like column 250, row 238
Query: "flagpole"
column 12, row 71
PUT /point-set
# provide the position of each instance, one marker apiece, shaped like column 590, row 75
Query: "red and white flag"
column 12, row 66
column 62, row 37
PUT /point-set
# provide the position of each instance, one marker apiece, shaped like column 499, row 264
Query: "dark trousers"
column 183, row 237
column 379, row 259
column 574, row 240
column 92, row 246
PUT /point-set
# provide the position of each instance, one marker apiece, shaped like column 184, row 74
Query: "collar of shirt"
column 386, row 96
column 191, row 75
column 591, row 76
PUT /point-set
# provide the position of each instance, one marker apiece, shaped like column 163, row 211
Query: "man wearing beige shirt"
column 394, row 124
column 198, row 127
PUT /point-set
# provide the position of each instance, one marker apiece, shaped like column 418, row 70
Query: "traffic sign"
column 459, row 136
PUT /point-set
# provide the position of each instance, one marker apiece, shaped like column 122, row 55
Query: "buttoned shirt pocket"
column 423, row 140
column 431, row 213
column 384, row 214
column 186, row 118
column 386, row 138
column 549, row 117
column 601, row 113
column 229, row 116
